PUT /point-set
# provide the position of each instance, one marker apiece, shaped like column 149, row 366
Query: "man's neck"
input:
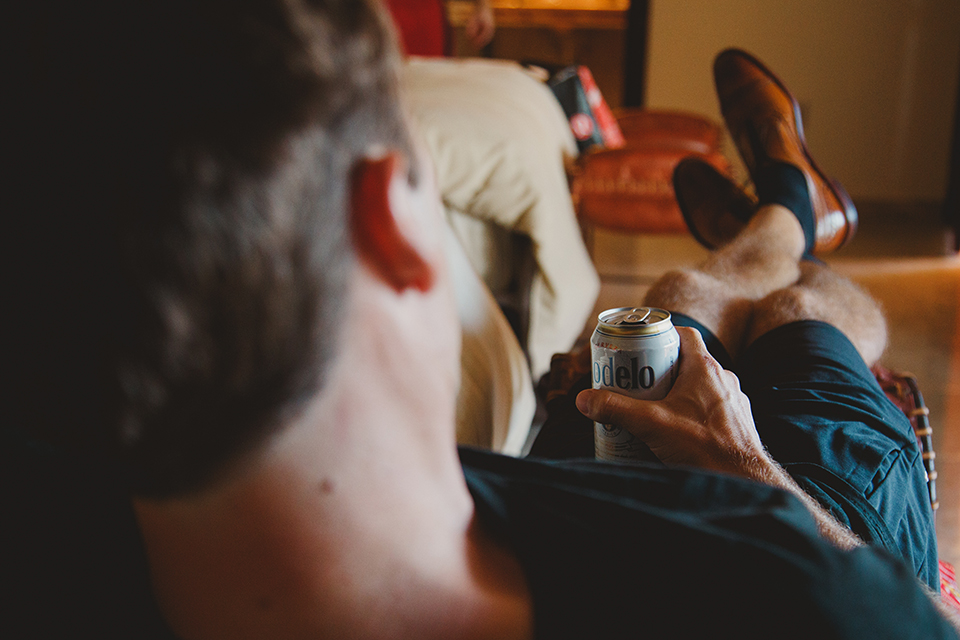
column 338, row 532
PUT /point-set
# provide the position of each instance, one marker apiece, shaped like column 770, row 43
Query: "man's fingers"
column 644, row 418
column 614, row 408
column 694, row 353
column 691, row 341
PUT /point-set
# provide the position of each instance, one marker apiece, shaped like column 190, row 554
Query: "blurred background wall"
column 876, row 79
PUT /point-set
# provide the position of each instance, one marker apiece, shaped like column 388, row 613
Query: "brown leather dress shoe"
column 764, row 120
column 714, row 207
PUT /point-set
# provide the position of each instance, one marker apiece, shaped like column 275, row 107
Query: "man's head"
column 184, row 176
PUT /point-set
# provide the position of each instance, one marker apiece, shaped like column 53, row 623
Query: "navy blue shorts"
column 822, row 415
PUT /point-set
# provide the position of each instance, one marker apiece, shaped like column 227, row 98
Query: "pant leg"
column 817, row 405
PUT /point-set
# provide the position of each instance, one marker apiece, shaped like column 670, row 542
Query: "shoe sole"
column 684, row 211
column 687, row 211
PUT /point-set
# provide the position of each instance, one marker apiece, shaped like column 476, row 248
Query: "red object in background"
column 422, row 25
column 590, row 118
column 630, row 189
column 612, row 137
column 949, row 592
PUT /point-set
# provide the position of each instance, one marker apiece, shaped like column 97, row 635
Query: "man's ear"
column 375, row 201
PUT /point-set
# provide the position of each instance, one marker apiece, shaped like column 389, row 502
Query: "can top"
column 634, row 321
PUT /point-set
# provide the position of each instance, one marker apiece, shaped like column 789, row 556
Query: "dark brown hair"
column 183, row 170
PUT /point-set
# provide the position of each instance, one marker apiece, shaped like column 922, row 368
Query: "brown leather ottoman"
column 630, row 189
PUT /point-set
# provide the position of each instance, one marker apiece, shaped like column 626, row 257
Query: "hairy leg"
column 821, row 294
column 721, row 292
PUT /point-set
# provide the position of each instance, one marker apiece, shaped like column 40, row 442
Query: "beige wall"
column 877, row 79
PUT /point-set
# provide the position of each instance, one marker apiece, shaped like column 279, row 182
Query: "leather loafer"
column 714, row 207
column 764, row 120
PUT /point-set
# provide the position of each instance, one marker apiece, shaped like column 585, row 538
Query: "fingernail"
column 583, row 402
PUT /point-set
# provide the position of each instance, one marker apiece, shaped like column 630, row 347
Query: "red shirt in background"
column 422, row 25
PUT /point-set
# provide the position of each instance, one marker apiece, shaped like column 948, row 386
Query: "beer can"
column 635, row 352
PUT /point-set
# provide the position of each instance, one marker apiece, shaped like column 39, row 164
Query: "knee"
column 780, row 308
column 857, row 316
column 674, row 289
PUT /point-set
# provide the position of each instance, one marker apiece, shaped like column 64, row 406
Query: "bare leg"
column 757, row 283
column 820, row 294
column 721, row 293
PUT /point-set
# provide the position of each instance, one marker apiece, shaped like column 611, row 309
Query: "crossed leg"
column 810, row 399
column 757, row 283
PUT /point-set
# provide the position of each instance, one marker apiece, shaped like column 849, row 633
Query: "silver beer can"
column 635, row 352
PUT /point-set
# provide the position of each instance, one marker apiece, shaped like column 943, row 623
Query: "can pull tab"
column 635, row 317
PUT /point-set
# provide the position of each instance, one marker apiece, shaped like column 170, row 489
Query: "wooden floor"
column 902, row 257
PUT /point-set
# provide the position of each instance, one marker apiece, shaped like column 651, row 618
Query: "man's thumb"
column 608, row 407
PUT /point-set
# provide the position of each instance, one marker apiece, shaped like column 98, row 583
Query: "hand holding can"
column 634, row 352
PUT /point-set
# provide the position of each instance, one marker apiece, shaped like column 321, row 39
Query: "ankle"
column 784, row 184
column 780, row 230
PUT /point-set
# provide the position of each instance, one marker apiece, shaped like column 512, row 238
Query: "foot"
column 714, row 207
column 764, row 120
